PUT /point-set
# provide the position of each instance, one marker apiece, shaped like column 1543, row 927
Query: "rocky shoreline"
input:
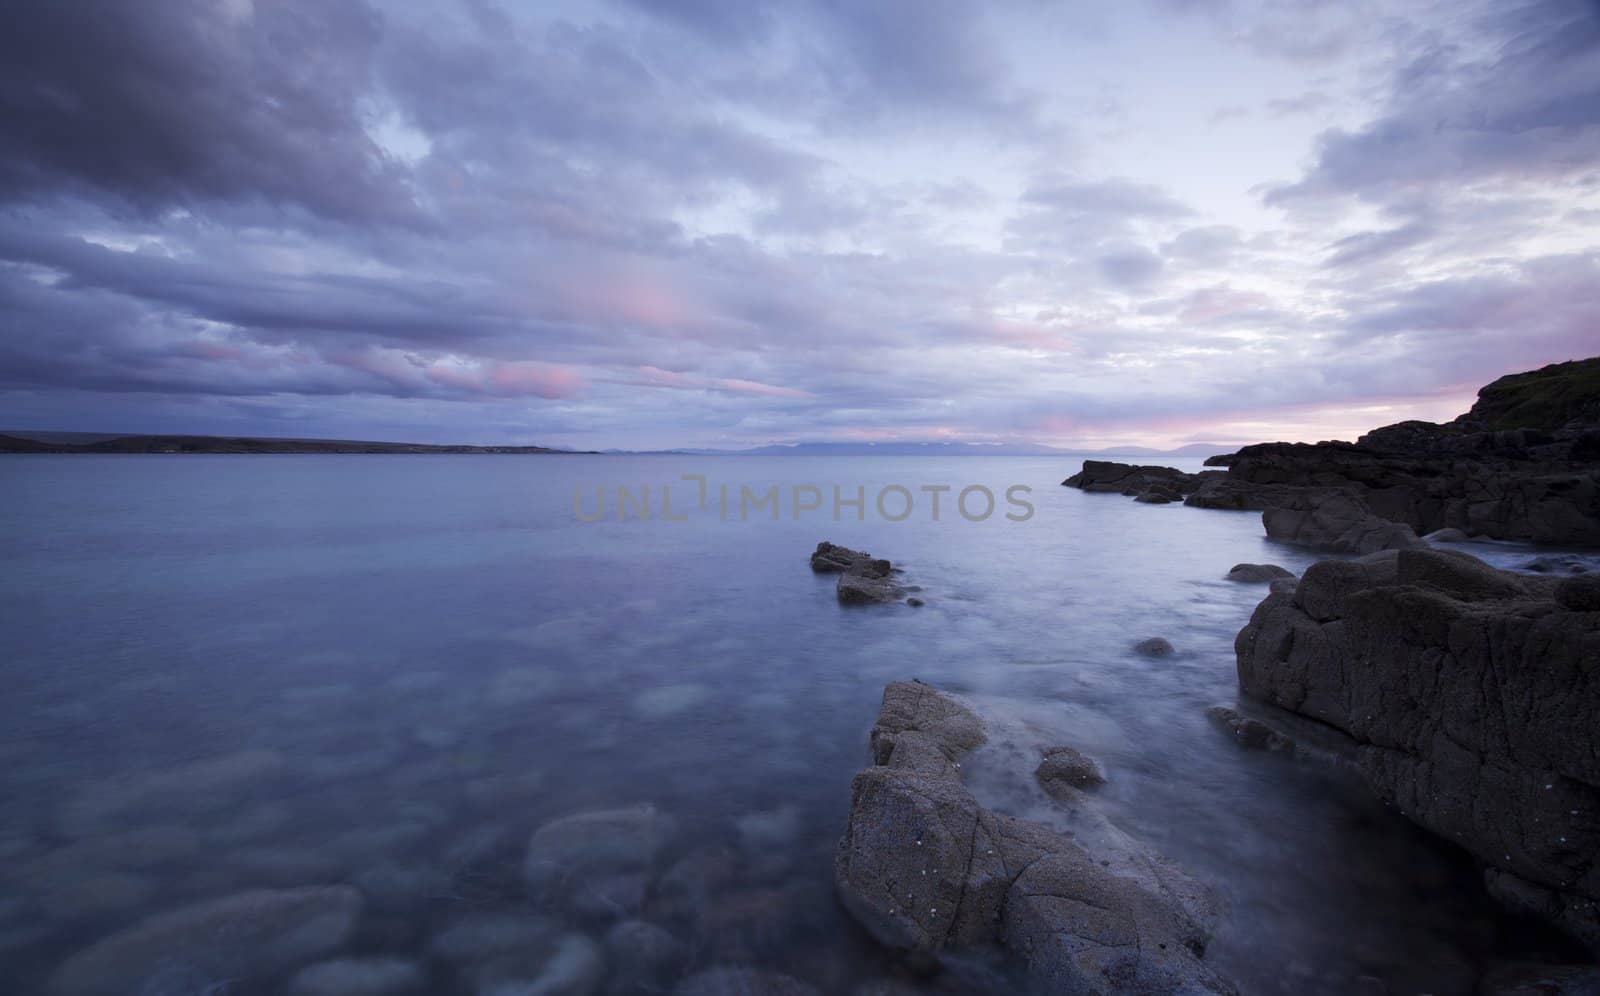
column 1522, row 464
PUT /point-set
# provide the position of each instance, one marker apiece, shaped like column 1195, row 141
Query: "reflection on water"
column 574, row 757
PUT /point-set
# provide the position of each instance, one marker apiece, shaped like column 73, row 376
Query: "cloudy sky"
column 649, row 223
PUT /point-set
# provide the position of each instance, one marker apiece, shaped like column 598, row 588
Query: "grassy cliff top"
column 1547, row 398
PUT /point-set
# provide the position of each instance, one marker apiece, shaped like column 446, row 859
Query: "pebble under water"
column 522, row 753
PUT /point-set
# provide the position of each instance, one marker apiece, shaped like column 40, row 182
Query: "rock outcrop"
column 1065, row 770
column 1257, row 573
column 925, row 868
column 863, row 579
column 1472, row 694
column 1522, row 464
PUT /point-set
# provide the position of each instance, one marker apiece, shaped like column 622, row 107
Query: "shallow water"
column 225, row 673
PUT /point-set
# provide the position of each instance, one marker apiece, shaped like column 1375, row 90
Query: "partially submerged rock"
column 863, row 579
column 360, row 977
column 1154, row 646
column 247, row 936
column 1251, row 734
column 1165, row 483
column 1472, row 693
column 1257, row 573
column 1066, row 769
column 925, row 869
column 596, row 845
column 1339, row 523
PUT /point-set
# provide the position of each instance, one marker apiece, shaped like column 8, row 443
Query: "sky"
column 721, row 223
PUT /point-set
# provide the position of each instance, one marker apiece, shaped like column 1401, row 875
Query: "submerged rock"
column 571, row 965
column 1065, row 769
column 251, row 935
column 1154, row 646
column 1251, row 734
column 360, row 977
column 1472, row 694
column 1257, row 573
column 731, row 981
column 925, row 868
column 643, row 957
column 197, row 787
column 597, row 843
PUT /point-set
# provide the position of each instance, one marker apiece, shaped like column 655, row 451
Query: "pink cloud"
column 657, row 377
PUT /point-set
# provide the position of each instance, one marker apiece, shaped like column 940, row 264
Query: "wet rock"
column 480, row 936
column 198, row 787
column 1535, row 979
column 1257, row 573
column 1339, row 523
column 829, row 558
column 595, row 844
column 1251, row 734
column 924, row 869
column 1447, row 535
column 609, row 896
column 359, row 977
column 1065, row 769
column 1129, row 479
column 1158, row 495
column 1471, row 694
column 251, row 935
column 644, row 957
column 1556, row 563
column 689, row 886
column 1154, row 646
column 732, row 981
column 571, row 966
column 862, row 579
column 1580, row 594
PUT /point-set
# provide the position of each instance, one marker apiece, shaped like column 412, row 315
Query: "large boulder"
column 926, row 869
column 1472, row 694
column 237, row 939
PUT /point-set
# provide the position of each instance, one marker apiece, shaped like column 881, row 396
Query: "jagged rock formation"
column 1472, row 694
column 1153, row 485
column 925, row 868
column 862, row 579
column 1522, row 464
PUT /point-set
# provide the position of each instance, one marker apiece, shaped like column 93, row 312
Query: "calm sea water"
column 224, row 673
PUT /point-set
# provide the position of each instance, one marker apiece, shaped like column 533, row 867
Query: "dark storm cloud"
column 175, row 104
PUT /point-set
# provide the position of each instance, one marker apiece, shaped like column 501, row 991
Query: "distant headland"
column 63, row 442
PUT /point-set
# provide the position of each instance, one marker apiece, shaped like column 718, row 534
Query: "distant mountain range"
column 947, row 449
column 75, row 442
column 23, row 441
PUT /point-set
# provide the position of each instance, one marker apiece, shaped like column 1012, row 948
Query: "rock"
column 1128, row 479
column 1219, row 460
column 199, row 787
column 1535, row 979
column 359, row 977
column 689, row 886
column 1154, row 646
column 1580, row 594
column 478, row 937
column 247, row 936
column 570, row 966
column 1251, row 734
column 1556, row 563
column 729, row 981
column 609, row 896
column 596, row 844
column 1158, row 495
column 1257, row 573
column 1447, row 535
column 1338, row 523
column 862, row 579
column 1471, row 693
column 1065, row 769
column 643, row 957
column 828, row 558
column 915, row 603
column 925, row 869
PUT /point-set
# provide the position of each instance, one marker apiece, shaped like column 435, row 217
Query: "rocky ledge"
column 863, row 580
column 1471, row 694
column 926, row 869
column 1522, row 464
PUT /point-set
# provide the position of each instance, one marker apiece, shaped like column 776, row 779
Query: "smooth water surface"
column 232, row 672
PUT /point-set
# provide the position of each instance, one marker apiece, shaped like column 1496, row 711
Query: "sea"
column 233, row 673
